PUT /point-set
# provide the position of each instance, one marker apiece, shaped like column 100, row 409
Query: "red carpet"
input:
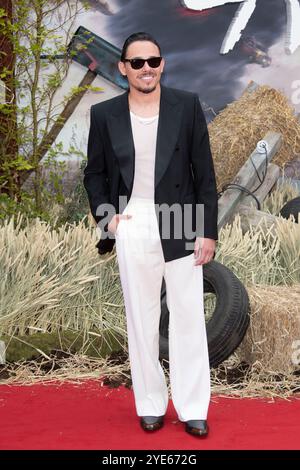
column 88, row 416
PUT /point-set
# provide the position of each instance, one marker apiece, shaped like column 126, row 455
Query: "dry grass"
column 51, row 280
column 232, row 379
column 75, row 368
column 268, row 350
column 259, row 258
column 235, row 130
column 54, row 280
column 280, row 195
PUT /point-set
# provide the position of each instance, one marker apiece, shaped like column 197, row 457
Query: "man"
column 150, row 145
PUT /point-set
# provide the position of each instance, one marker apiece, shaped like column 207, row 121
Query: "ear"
column 122, row 68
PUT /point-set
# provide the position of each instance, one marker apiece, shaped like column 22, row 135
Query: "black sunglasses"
column 137, row 63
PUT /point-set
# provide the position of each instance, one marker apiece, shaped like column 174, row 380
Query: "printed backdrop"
column 191, row 41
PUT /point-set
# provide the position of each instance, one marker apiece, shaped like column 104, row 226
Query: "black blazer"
column 184, row 171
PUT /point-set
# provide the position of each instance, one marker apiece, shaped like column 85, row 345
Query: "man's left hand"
column 204, row 250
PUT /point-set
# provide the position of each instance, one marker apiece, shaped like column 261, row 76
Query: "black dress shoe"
column 152, row 423
column 197, row 427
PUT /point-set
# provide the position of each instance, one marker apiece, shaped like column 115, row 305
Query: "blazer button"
column 177, row 185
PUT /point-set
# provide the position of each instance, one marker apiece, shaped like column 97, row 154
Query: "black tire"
column 292, row 207
column 229, row 321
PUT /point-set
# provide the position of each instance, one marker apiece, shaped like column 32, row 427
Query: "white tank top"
column 144, row 132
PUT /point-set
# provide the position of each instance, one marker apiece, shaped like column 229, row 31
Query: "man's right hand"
column 113, row 224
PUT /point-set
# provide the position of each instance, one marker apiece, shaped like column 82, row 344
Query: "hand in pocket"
column 113, row 224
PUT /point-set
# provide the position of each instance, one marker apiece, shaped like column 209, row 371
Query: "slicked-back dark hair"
column 140, row 36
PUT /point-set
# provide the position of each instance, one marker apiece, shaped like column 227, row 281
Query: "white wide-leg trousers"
column 142, row 268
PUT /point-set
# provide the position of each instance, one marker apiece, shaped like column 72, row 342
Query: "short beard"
column 146, row 91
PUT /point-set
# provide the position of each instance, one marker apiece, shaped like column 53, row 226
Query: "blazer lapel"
column 170, row 115
column 120, row 130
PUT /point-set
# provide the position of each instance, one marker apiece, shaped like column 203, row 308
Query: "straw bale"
column 235, row 130
column 273, row 337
